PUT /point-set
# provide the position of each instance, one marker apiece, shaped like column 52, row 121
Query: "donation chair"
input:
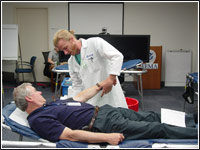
column 26, row 67
column 13, row 119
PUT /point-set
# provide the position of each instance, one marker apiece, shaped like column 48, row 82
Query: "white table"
column 138, row 74
column 61, row 72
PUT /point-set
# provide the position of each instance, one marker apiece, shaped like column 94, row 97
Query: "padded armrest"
column 131, row 64
column 62, row 67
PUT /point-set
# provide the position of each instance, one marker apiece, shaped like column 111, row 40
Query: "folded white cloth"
column 20, row 117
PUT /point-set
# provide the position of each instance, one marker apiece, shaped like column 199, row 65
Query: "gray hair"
column 19, row 94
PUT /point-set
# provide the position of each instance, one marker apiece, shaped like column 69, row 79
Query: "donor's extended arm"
column 86, row 94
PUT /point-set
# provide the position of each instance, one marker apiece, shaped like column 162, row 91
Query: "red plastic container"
column 132, row 103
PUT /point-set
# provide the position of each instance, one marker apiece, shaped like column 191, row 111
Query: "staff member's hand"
column 107, row 84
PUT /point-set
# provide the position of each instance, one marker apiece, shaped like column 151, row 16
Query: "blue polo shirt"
column 50, row 120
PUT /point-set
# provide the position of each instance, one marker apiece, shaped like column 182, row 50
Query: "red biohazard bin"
column 132, row 103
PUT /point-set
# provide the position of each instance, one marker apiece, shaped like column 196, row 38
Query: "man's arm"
column 50, row 61
column 50, row 58
column 86, row 94
column 91, row 137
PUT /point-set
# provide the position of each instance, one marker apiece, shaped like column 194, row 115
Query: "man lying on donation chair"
column 75, row 120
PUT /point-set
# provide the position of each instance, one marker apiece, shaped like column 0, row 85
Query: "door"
column 33, row 35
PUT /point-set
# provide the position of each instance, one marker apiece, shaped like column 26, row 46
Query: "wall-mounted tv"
column 63, row 57
column 131, row 46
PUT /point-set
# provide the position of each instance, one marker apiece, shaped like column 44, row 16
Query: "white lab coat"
column 98, row 60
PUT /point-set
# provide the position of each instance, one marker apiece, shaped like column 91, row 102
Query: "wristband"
column 97, row 84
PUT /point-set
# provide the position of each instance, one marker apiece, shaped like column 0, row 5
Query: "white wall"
column 172, row 25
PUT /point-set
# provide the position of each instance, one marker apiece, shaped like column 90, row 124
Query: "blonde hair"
column 62, row 34
column 19, row 94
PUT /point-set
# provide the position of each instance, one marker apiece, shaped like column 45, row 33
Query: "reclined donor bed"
column 15, row 120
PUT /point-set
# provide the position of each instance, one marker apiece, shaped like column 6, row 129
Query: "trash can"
column 132, row 103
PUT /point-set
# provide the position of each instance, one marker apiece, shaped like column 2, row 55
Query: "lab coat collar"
column 84, row 43
column 83, row 48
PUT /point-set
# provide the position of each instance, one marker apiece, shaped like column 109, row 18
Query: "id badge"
column 73, row 104
column 83, row 64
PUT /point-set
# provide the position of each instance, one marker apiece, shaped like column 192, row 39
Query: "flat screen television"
column 131, row 46
column 63, row 57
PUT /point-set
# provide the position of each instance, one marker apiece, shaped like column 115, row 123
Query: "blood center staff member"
column 92, row 61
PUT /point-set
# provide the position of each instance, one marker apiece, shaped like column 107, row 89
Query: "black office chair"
column 26, row 67
column 46, row 71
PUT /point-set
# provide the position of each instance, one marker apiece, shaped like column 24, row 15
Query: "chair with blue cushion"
column 26, row 67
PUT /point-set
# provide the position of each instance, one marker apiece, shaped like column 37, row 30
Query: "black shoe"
column 189, row 95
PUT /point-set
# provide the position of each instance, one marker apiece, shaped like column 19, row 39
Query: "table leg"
column 56, row 84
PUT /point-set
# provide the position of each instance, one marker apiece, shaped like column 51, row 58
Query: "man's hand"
column 107, row 84
column 91, row 137
column 115, row 138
